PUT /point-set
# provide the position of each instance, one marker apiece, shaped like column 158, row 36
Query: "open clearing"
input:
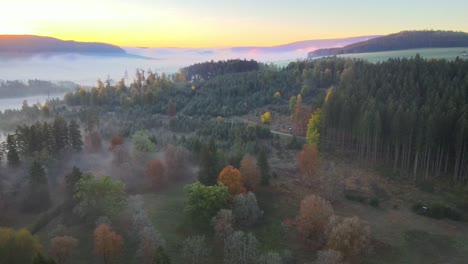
column 440, row 53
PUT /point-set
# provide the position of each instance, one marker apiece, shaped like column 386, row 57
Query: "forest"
column 32, row 87
column 242, row 162
column 401, row 41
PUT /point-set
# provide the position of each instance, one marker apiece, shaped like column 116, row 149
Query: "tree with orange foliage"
column 107, row 243
column 115, row 141
column 309, row 162
column 61, row 248
column 251, row 173
column 315, row 212
column 232, row 178
column 156, row 172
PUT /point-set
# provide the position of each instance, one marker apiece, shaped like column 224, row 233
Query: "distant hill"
column 29, row 44
column 307, row 45
column 401, row 41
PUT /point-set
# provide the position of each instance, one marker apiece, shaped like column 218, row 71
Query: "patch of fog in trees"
column 86, row 69
column 16, row 103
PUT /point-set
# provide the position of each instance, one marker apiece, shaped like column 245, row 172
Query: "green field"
column 441, row 53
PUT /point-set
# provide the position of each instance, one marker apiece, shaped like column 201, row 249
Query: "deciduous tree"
column 308, row 160
column 245, row 209
column 108, row 244
column 350, row 236
column 232, row 178
column 17, row 247
column 195, row 250
column 251, row 173
column 241, row 248
column 203, row 202
column 315, row 212
column 61, row 248
column 99, row 197
column 222, row 223
column 314, row 127
column 156, row 173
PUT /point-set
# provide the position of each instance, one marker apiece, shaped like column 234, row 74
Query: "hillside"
column 306, row 45
column 29, row 44
column 401, row 41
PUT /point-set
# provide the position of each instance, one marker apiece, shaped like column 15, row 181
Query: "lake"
column 16, row 103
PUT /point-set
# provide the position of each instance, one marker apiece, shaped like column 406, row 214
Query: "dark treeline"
column 401, row 41
column 43, row 140
column 32, row 87
column 409, row 113
column 208, row 70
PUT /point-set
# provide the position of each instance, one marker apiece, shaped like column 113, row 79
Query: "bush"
column 436, row 211
column 375, row 202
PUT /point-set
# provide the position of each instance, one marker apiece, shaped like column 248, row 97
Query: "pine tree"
column 60, row 129
column 209, row 164
column 38, row 197
column 12, row 154
column 262, row 162
column 75, row 136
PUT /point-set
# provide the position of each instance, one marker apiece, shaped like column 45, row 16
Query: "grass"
column 439, row 53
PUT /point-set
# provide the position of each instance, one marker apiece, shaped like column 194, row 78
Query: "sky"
column 218, row 23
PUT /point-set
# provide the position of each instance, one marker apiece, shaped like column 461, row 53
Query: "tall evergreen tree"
column 70, row 182
column 12, row 155
column 262, row 162
column 60, row 129
column 75, row 136
column 38, row 198
column 209, row 164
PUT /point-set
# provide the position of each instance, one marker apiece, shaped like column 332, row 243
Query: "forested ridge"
column 32, row 87
column 401, row 41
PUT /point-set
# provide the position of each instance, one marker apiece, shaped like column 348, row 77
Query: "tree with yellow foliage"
column 266, row 118
column 232, row 179
column 17, row 247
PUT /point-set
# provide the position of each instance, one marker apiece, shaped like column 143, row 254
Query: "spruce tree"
column 262, row 162
column 75, row 136
column 38, row 198
column 12, row 155
column 209, row 164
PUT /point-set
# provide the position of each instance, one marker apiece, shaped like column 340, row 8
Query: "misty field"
column 440, row 53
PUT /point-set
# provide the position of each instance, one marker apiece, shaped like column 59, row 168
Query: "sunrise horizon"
column 157, row 24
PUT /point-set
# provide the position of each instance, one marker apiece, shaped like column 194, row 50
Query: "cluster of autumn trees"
column 343, row 239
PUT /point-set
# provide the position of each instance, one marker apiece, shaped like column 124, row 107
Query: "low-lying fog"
column 86, row 69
